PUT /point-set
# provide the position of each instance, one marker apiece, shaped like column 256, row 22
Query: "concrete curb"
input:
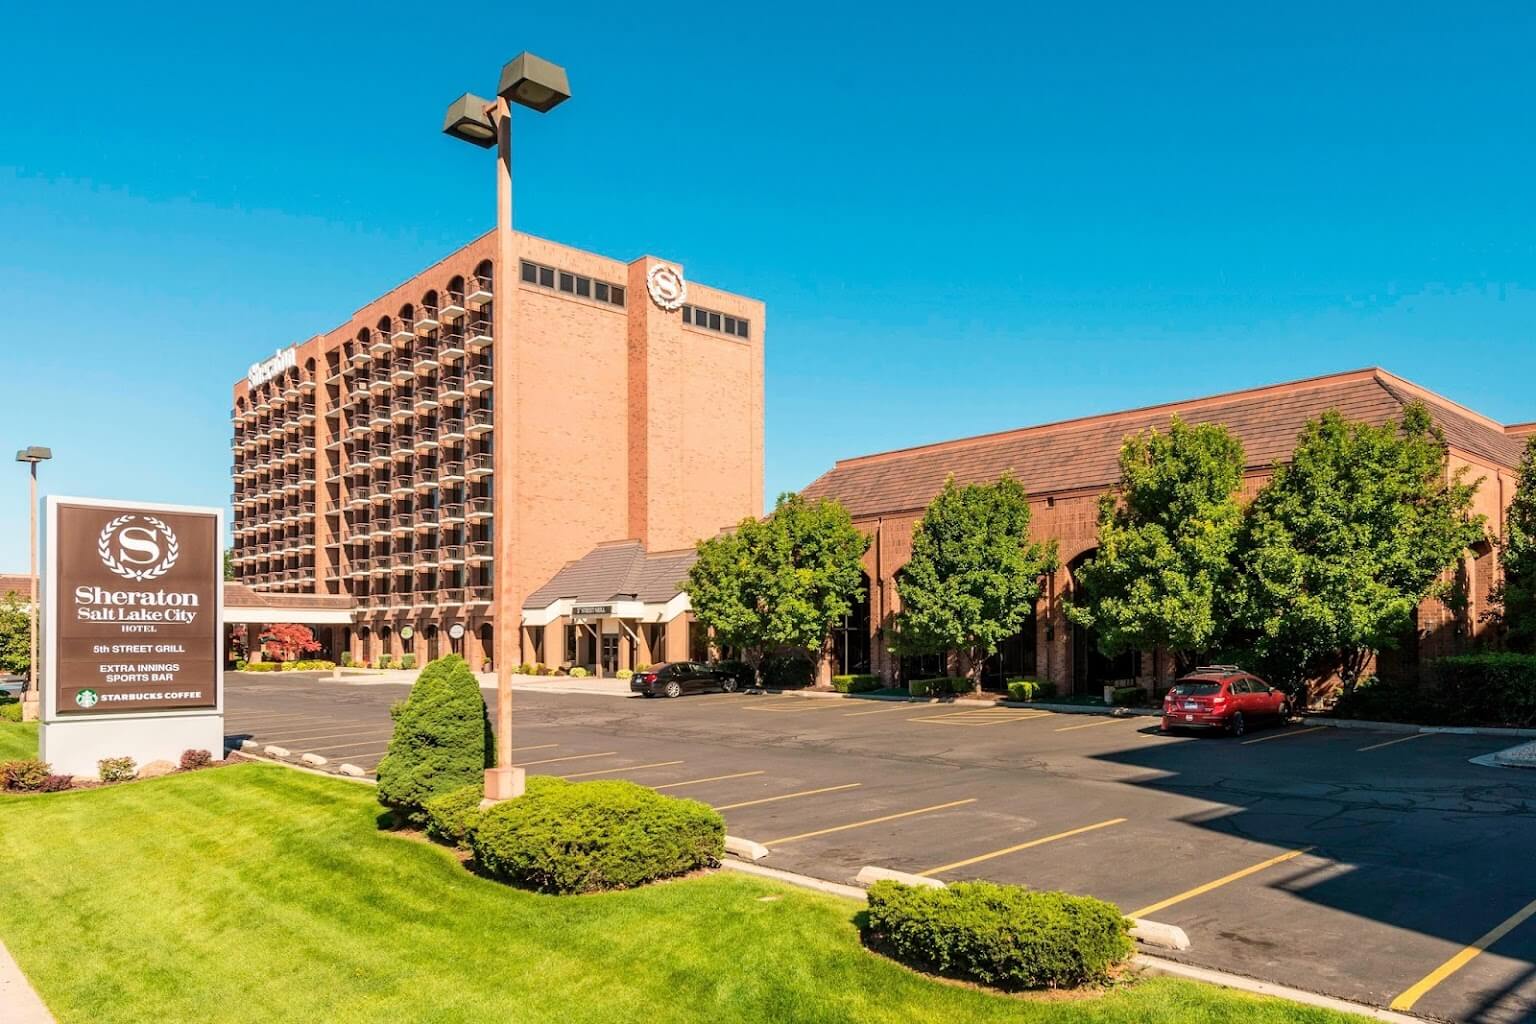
column 1158, row 965
column 1155, row 933
column 275, row 751
column 19, row 1001
column 314, row 760
column 746, row 849
column 304, row 768
column 869, row 874
column 1403, row 727
column 802, row 881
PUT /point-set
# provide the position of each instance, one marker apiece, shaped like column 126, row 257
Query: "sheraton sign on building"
column 133, row 634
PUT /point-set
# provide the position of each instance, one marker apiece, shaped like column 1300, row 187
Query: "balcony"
column 358, row 427
column 378, row 528
column 404, row 486
column 381, row 455
column 452, row 472
column 481, row 508
column 361, row 357
column 403, row 408
column 306, row 445
column 403, row 331
column 481, row 551
column 307, row 413
column 379, row 419
column 426, row 320
column 403, row 561
column 451, row 431
column 426, row 397
column 426, row 436
column 402, row 447
column 480, row 291
column 426, row 559
column 379, row 346
column 451, row 554
column 452, row 514
column 379, row 565
column 426, row 479
column 425, row 360
column 477, row 335
column 450, row 346
column 480, row 594
column 381, row 495
column 290, row 389
column 481, row 464
column 451, row 388
column 379, row 382
column 400, row 371
column 453, row 307
column 359, row 462
column 481, row 421
column 450, row 595
column 481, row 378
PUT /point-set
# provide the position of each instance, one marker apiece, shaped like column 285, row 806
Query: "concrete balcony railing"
column 477, row 334
column 481, row 464
column 479, row 291
column 480, row 421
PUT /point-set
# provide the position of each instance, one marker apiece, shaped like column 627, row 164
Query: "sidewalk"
column 19, row 1003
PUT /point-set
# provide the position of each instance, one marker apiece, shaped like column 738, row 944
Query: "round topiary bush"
column 451, row 816
column 1004, row 936
column 442, row 739
column 563, row 837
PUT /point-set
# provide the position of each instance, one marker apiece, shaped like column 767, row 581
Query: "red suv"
column 1222, row 697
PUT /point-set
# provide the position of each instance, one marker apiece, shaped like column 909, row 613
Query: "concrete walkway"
column 19, row 1002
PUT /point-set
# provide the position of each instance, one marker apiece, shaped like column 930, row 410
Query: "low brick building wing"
column 1066, row 466
column 617, row 607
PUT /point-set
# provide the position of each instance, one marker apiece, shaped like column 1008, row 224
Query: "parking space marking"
column 346, row 746
column 1287, row 734
column 537, row 746
column 981, row 717
column 1021, row 846
column 788, row 796
column 868, row 821
column 573, row 757
column 336, row 735
column 1094, row 725
column 788, row 706
column 878, row 711
column 712, row 778
column 1201, row 890
column 625, row 768
column 1420, row 988
column 1400, row 739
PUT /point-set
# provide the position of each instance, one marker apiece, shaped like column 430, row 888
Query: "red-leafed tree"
column 287, row 641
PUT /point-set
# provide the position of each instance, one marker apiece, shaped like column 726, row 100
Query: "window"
column 546, row 277
column 530, row 273
column 713, row 321
column 601, row 291
column 567, row 282
column 584, row 287
column 573, row 284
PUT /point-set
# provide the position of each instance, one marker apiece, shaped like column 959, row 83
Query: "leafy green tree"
column 229, row 564
column 1167, row 544
column 781, row 581
column 15, row 635
column 1347, row 539
column 1517, row 556
column 442, row 739
column 974, row 573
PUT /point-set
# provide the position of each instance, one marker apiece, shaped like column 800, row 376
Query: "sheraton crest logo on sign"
column 139, row 548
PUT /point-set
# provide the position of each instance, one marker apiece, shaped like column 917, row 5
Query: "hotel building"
column 427, row 475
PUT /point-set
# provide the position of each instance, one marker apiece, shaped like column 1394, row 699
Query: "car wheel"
column 1285, row 712
column 1239, row 726
column 674, row 689
column 728, row 685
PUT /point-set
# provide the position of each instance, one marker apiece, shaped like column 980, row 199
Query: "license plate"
column 1189, row 718
column 1190, row 705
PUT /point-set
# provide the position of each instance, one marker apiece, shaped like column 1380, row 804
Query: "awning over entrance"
column 244, row 605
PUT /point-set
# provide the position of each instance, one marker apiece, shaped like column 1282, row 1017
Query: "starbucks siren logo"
column 87, row 698
column 137, row 552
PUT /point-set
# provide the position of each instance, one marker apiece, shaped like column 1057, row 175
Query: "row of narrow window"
column 573, row 284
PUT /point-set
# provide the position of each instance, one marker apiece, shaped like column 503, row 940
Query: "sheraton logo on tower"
column 283, row 361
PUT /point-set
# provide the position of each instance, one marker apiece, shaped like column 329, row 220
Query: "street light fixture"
column 31, row 706
column 539, row 85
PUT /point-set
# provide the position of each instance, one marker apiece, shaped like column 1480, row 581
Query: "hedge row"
column 1495, row 689
column 308, row 665
column 938, row 686
column 1004, row 936
column 1030, row 689
column 857, row 683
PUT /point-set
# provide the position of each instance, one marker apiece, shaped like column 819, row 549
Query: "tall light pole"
column 539, row 85
column 31, row 706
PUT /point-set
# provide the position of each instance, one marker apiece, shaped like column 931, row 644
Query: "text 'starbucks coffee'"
column 135, row 609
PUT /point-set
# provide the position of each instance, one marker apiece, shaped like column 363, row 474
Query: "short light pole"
column 31, row 707
column 539, row 85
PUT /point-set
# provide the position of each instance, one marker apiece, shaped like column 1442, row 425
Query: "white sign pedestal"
column 73, row 748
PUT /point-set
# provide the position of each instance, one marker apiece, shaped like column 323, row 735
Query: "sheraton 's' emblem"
column 667, row 287
column 138, row 547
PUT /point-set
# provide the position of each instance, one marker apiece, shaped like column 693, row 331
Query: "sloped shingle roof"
column 623, row 569
column 1084, row 453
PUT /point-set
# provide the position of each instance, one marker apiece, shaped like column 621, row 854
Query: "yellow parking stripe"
column 624, row 768
column 1201, row 890
column 868, row 821
column 787, row 796
column 980, row 718
column 1400, row 739
column 1094, row 725
column 573, row 757
column 328, row 747
column 801, row 705
column 337, row 735
column 1284, row 735
column 712, row 778
column 539, row 746
column 879, row 711
column 1460, row 960
column 1021, row 846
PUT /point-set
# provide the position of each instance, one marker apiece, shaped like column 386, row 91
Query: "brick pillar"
column 676, row 644
column 624, row 662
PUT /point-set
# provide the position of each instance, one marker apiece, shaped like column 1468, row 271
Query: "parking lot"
column 1378, row 867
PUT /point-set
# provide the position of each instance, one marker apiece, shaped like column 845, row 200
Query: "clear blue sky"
column 961, row 218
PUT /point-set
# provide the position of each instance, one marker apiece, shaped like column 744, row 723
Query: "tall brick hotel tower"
column 374, row 461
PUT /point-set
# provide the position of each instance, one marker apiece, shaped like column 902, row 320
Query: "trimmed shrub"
column 26, row 776
column 578, row 672
column 442, row 739
column 57, row 784
column 453, row 815
column 1030, row 689
column 10, row 712
column 856, row 683
column 346, row 659
column 117, row 769
column 261, row 666
column 787, row 671
column 240, row 664
column 938, row 686
column 563, row 837
column 623, row 673
column 308, row 665
column 1004, row 936
column 408, row 661
column 524, row 669
column 1129, row 697
column 192, row 760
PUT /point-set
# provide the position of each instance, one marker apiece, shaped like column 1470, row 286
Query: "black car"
column 679, row 677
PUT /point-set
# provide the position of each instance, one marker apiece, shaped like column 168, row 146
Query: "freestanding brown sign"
column 133, row 625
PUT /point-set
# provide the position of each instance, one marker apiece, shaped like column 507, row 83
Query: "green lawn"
column 263, row 891
column 18, row 740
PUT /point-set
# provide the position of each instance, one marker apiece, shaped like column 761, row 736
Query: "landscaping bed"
column 262, row 887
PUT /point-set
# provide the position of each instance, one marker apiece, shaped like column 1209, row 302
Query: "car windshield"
column 1198, row 689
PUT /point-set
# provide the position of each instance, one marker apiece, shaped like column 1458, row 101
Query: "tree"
column 285, row 641
column 15, row 635
column 442, row 739
column 974, row 573
column 1517, row 556
column 1167, row 543
column 1344, row 542
column 781, row 581
column 229, row 565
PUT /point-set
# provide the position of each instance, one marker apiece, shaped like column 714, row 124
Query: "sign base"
column 73, row 748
